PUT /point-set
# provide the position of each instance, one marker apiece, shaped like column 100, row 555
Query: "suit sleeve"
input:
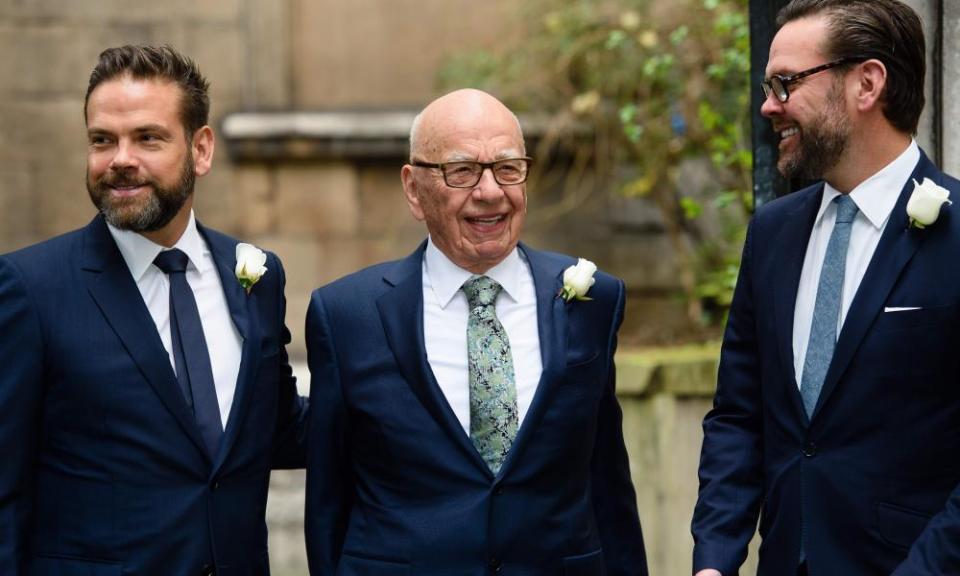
column 21, row 393
column 290, row 449
column 936, row 551
column 329, row 494
column 614, row 499
column 731, row 460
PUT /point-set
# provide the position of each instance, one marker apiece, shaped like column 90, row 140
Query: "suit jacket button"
column 207, row 570
column 498, row 491
column 809, row 449
column 495, row 564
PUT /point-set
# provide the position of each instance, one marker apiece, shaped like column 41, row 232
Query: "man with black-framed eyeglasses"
column 465, row 419
column 835, row 421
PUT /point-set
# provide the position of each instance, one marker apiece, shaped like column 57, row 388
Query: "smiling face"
column 141, row 164
column 476, row 228
column 813, row 124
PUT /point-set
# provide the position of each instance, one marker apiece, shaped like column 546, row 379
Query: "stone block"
column 34, row 55
column 396, row 61
column 18, row 206
column 43, row 134
column 85, row 13
column 382, row 205
column 317, row 200
column 62, row 196
column 222, row 56
column 252, row 193
column 268, row 57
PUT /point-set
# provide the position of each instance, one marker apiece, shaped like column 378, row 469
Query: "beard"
column 149, row 214
column 822, row 141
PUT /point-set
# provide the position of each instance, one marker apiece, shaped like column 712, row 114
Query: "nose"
column 123, row 157
column 771, row 106
column 487, row 189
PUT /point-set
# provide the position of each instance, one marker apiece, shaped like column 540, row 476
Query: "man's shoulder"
column 557, row 262
column 49, row 257
column 371, row 281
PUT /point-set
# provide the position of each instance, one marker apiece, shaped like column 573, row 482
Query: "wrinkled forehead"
column 469, row 133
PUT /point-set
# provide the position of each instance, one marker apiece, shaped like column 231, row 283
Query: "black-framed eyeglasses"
column 467, row 174
column 778, row 84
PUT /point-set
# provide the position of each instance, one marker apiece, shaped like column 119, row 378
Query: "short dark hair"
column 163, row 62
column 886, row 30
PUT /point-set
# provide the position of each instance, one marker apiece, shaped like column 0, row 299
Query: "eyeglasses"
column 467, row 174
column 777, row 84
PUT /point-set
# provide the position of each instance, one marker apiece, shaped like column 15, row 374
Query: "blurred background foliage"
column 641, row 91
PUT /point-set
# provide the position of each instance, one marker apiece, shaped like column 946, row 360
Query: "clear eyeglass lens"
column 469, row 173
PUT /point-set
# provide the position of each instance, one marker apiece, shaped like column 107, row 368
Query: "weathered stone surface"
column 85, row 13
column 332, row 68
column 18, row 208
column 317, row 200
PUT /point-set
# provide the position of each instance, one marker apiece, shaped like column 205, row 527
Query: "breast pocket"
column 926, row 317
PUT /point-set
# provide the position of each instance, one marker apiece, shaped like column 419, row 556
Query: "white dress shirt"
column 875, row 198
column 223, row 340
column 445, row 313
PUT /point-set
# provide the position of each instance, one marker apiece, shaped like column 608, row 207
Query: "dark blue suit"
column 104, row 470
column 871, row 478
column 394, row 485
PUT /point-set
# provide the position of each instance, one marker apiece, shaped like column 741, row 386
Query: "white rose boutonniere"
column 250, row 265
column 577, row 280
column 923, row 208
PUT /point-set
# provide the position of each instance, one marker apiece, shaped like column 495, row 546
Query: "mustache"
column 120, row 180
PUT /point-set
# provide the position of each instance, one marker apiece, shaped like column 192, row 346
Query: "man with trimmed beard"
column 145, row 393
column 838, row 400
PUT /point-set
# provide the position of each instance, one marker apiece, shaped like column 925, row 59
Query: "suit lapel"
column 897, row 246
column 112, row 287
column 791, row 247
column 242, row 310
column 400, row 309
column 552, row 328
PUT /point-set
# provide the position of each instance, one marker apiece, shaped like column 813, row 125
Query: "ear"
column 202, row 148
column 411, row 191
column 871, row 80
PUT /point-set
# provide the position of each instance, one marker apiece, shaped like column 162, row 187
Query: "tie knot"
column 481, row 291
column 846, row 209
column 171, row 261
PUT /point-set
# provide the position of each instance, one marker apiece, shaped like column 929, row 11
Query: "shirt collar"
column 138, row 251
column 446, row 278
column 876, row 196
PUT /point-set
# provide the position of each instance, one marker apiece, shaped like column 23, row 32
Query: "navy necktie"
column 190, row 353
column 826, row 311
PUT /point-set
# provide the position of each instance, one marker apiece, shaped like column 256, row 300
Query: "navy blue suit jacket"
column 394, row 485
column 871, row 478
column 104, row 471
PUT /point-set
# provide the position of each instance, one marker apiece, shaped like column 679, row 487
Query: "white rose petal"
column 923, row 208
column 250, row 264
column 578, row 279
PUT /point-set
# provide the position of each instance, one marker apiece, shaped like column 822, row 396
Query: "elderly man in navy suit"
column 145, row 392
column 463, row 418
column 837, row 413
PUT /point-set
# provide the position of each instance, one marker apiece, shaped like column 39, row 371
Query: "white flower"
column 923, row 208
column 577, row 280
column 250, row 268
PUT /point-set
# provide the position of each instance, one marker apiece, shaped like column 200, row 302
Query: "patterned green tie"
column 493, row 393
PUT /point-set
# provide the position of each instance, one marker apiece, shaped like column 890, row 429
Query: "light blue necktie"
column 493, row 392
column 826, row 311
